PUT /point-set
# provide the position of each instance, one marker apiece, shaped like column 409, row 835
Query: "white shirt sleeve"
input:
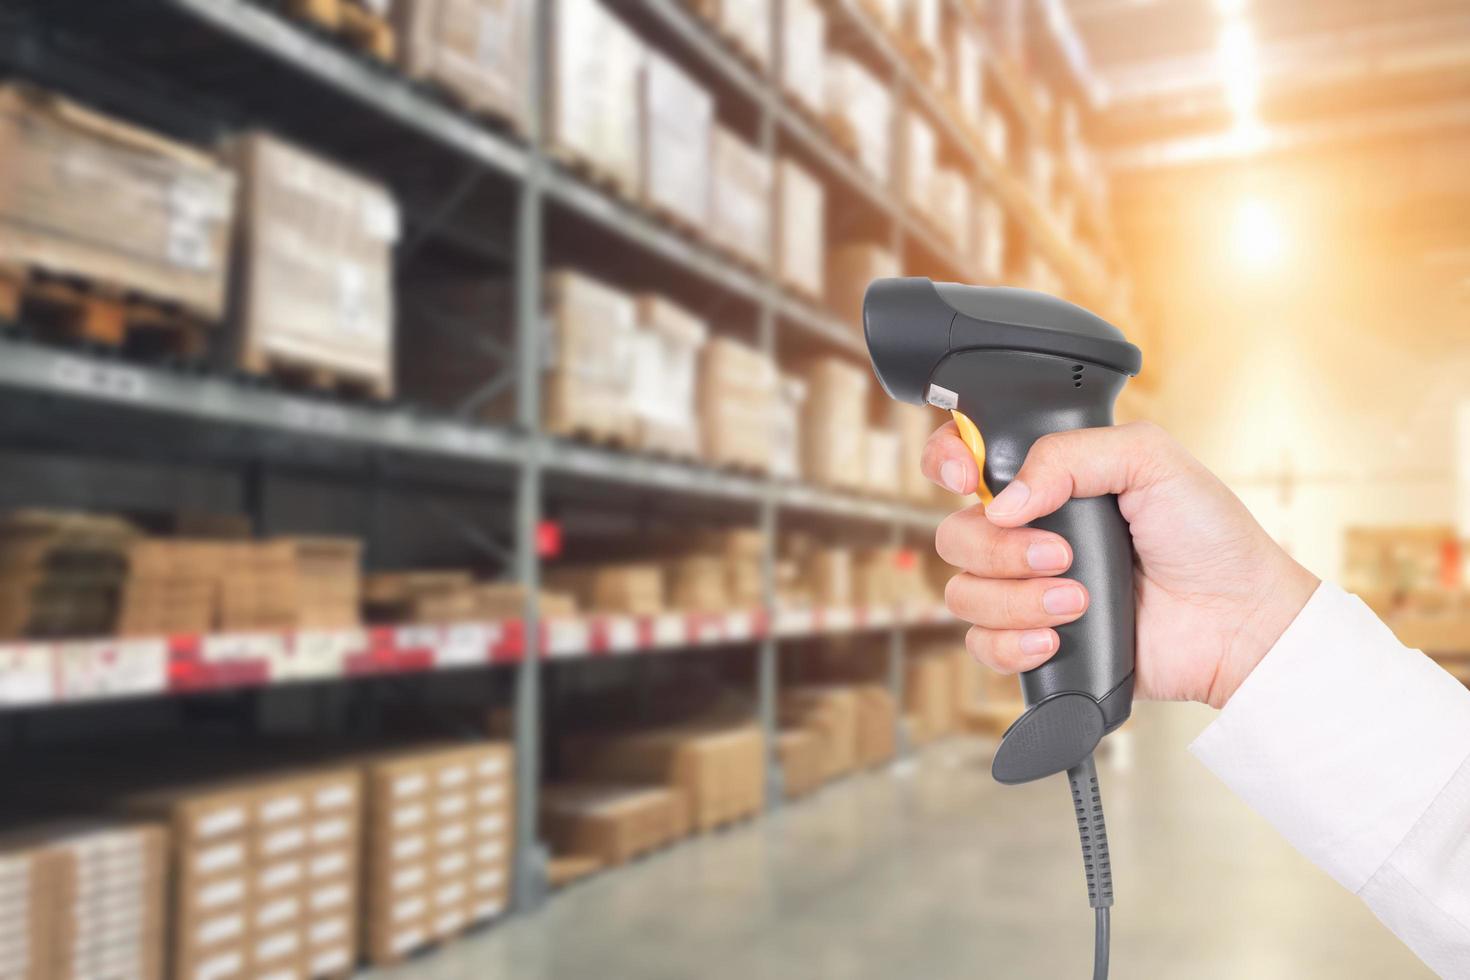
column 1357, row 749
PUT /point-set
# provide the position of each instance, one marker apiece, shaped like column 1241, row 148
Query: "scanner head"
column 912, row 324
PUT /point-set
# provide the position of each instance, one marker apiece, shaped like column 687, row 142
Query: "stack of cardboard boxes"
column 593, row 118
column 737, row 398
column 264, row 872
column 740, row 206
column 477, row 51
column 289, row 584
column 611, row 822
column 438, row 844
column 83, row 900
column 929, row 698
column 628, row 588
column 313, row 269
column 836, row 424
column 859, row 113
column 801, row 234
column 719, row 772
column 675, row 116
column 590, row 372
column 666, row 351
column 158, row 219
column 803, row 38
column 61, row 573
column 450, row 596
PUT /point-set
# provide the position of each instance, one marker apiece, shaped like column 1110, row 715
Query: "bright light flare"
column 1260, row 238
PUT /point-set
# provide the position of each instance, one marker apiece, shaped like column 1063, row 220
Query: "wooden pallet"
column 111, row 316
column 594, row 172
column 352, row 22
column 678, row 222
column 294, row 373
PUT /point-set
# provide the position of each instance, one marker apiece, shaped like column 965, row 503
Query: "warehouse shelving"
column 542, row 192
column 38, row 673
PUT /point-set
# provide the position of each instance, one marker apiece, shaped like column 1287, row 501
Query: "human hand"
column 1214, row 591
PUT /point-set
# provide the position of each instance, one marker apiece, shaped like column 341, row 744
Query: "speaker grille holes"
column 1076, row 367
column 1076, row 384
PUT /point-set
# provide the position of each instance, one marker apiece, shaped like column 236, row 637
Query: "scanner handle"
column 1014, row 399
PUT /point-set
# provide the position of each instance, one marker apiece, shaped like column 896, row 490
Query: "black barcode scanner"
column 1014, row 365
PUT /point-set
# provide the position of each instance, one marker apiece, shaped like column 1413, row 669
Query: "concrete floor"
column 932, row 870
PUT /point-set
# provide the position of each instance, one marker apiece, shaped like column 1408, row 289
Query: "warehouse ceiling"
column 1333, row 132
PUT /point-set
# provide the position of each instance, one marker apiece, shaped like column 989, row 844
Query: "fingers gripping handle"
column 1086, row 689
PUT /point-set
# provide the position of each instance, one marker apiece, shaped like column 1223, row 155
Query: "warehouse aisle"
column 936, row 872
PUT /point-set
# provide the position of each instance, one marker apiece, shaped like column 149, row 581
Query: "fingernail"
column 952, row 475
column 1063, row 600
column 1036, row 642
column 1009, row 500
column 1047, row 556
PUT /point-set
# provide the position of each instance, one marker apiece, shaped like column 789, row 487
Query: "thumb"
column 1079, row 463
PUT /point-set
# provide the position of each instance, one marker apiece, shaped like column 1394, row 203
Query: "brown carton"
column 85, row 195
column 610, row 821
column 666, row 349
column 675, row 115
column 737, row 395
column 595, row 66
column 313, row 283
column 803, row 53
column 850, row 268
column 589, row 386
column 801, row 216
column 741, row 193
column 476, row 50
column 836, row 423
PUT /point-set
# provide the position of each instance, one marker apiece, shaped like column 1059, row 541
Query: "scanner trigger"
column 970, row 434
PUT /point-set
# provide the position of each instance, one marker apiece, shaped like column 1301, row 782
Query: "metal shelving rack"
column 538, row 186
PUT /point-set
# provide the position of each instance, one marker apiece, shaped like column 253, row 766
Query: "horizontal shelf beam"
column 41, row 673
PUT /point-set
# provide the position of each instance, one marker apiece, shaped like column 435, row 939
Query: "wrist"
column 1283, row 595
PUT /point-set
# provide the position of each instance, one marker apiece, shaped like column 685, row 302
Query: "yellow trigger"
column 971, row 436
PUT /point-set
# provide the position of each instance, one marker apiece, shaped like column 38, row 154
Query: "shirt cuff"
column 1341, row 737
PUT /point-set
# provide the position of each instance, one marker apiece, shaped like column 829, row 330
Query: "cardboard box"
column 85, row 195
column 666, row 351
column 697, row 583
column 883, row 461
column 831, row 713
column 720, row 772
column 250, row 858
column 835, row 427
column 965, row 67
column 676, row 115
column 877, row 725
column 950, row 208
column 737, row 399
column 920, row 153
column 633, row 589
column 801, row 215
column 828, row 572
column 475, row 50
column 990, row 239
column 741, row 194
column 929, row 694
column 786, row 430
column 860, row 112
column 747, row 26
column 593, row 115
column 313, row 286
column 803, row 54
column 850, row 268
column 803, row 761
column 611, row 822
column 61, row 573
column 589, row 386
column 439, row 826
column 914, row 425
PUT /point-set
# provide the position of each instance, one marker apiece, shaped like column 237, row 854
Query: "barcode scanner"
column 1013, row 365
